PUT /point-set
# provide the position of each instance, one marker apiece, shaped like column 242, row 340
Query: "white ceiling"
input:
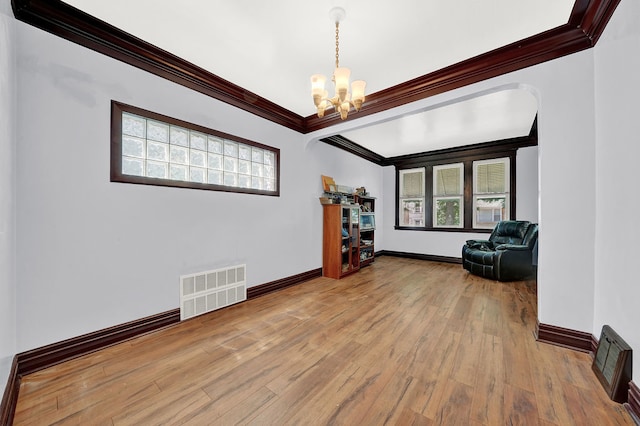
column 488, row 117
column 272, row 47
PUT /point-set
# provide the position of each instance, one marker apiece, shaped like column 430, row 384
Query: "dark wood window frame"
column 118, row 108
column 466, row 155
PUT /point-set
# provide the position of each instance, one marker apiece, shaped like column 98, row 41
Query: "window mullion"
column 468, row 194
column 428, row 197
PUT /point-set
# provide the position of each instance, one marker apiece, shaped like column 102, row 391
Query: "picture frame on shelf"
column 327, row 182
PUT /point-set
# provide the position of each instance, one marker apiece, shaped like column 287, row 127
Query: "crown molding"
column 462, row 153
column 586, row 23
column 72, row 24
column 348, row 145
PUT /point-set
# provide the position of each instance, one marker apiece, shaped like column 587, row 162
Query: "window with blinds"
column 490, row 192
column 448, row 193
column 411, row 200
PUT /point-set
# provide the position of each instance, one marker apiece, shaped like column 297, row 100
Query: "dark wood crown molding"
column 462, row 153
column 79, row 27
column 586, row 23
column 348, row 145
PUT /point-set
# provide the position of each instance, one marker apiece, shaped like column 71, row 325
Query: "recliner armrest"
column 515, row 247
column 484, row 245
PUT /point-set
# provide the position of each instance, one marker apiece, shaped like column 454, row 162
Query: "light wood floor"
column 401, row 342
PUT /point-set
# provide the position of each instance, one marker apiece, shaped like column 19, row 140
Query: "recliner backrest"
column 531, row 236
column 510, row 232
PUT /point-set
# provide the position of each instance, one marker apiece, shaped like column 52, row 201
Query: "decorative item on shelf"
column 327, row 183
column 345, row 189
column 366, row 254
column 342, row 100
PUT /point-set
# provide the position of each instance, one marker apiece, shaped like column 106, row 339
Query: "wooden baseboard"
column 585, row 342
column 46, row 356
column 431, row 257
column 633, row 403
column 263, row 289
column 10, row 397
column 572, row 339
column 55, row 353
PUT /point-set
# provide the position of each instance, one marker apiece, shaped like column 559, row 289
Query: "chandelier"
column 342, row 101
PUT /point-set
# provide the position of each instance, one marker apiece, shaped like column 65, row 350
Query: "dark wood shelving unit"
column 341, row 240
column 367, row 228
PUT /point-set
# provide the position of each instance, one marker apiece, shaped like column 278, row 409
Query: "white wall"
column 617, row 90
column 7, row 193
column 567, row 194
column 566, row 162
column 91, row 253
column 527, row 184
column 566, row 152
column 348, row 170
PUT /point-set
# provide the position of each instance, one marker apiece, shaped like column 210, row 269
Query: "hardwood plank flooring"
column 403, row 341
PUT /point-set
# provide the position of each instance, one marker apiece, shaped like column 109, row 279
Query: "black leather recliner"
column 506, row 255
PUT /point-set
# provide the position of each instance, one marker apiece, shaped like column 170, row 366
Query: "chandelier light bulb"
column 357, row 93
column 317, row 88
column 341, row 79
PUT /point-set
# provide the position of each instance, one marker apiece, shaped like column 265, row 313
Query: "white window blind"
column 448, row 192
column 490, row 192
column 412, row 197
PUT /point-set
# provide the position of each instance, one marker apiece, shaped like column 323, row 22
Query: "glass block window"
column 490, row 192
column 152, row 149
column 411, row 202
column 448, row 195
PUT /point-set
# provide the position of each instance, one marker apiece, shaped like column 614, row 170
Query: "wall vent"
column 210, row 290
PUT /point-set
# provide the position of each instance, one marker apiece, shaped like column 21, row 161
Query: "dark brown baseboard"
column 10, row 397
column 263, row 289
column 571, row 339
column 55, row 353
column 430, row 257
column 585, row 342
column 633, row 403
column 46, row 356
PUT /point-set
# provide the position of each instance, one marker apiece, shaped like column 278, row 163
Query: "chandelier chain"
column 337, row 44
